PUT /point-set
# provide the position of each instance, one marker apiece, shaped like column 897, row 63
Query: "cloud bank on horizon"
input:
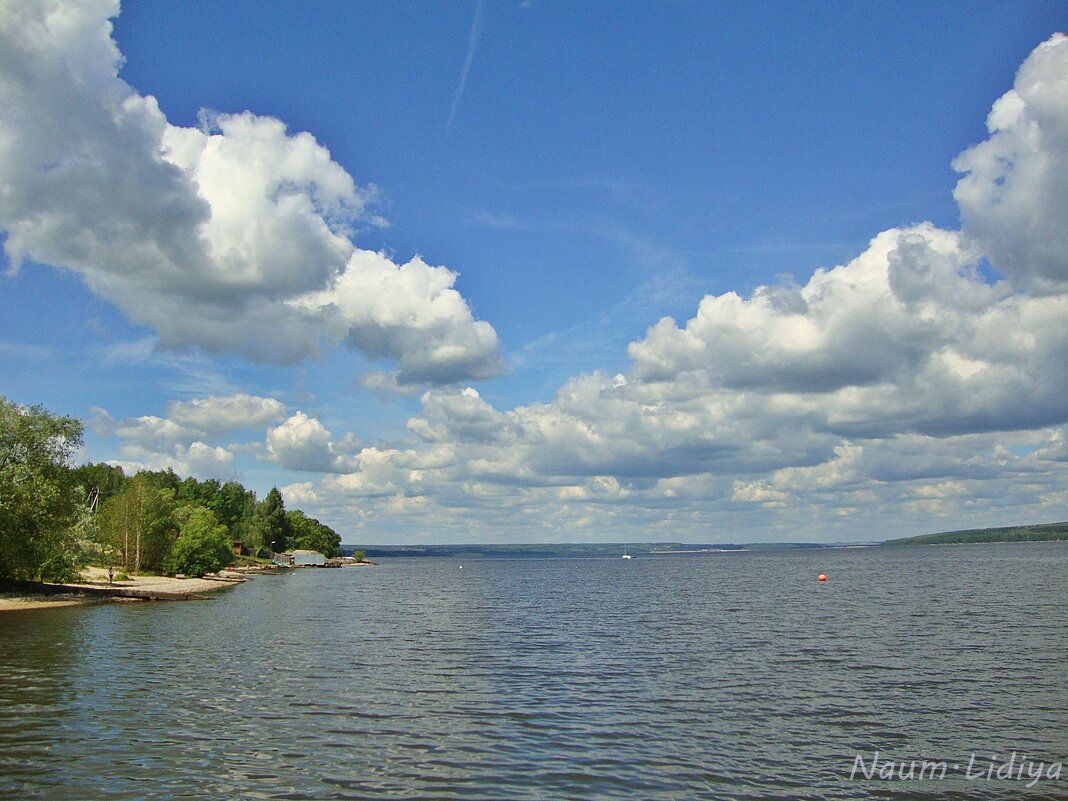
column 929, row 375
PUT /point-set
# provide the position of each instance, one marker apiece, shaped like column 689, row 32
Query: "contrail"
column 472, row 43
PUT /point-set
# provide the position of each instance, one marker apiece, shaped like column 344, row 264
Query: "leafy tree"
column 203, row 544
column 139, row 523
column 163, row 479
column 200, row 492
column 38, row 501
column 307, row 532
column 358, row 556
column 269, row 523
column 98, row 482
column 233, row 506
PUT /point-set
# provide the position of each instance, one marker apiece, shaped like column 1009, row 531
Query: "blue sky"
column 226, row 295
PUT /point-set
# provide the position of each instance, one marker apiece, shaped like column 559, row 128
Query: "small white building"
column 302, row 558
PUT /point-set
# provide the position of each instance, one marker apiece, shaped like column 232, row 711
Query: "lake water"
column 725, row 676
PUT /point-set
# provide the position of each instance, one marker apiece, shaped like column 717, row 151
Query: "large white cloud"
column 216, row 236
column 411, row 314
column 218, row 415
column 304, row 443
column 159, row 443
column 1015, row 192
column 200, row 418
column 907, row 337
column 183, row 439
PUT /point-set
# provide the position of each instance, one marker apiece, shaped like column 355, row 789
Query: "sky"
column 504, row 271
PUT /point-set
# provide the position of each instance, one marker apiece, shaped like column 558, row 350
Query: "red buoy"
column 822, row 577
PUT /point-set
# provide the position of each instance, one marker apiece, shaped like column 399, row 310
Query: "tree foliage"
column 98, row 482
column 1034, row 533
column 233, row 506
column 139, row 524
column 307, row 532
column 38, row 501
column 203, row 544
column 270, row 527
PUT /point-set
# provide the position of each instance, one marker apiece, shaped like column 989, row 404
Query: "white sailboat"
column 626, row 555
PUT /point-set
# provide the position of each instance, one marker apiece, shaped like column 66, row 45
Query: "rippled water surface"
column 706, row 677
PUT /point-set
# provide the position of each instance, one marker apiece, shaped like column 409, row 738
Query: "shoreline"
column 19, row 603
column 94, row 587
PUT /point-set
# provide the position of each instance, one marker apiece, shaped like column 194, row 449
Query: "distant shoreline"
column 589, row 550
column 1040, row 532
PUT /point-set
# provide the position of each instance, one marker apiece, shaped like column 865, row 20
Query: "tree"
column 98, row 482
column 307, row 532
column 200, row 492
column 38, row 502
column 139, row 523
column 163, row 479
column 233, row 506
column 203, row 544
column 269, row 522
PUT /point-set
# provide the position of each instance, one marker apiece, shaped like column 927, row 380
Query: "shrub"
column 203, row 544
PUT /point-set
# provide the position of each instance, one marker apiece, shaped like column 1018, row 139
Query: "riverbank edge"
column 95, row 588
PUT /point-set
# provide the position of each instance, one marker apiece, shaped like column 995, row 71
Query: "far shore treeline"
column 1043, row 532
column 55, row 518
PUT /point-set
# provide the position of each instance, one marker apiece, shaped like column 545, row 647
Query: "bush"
column 203, row 544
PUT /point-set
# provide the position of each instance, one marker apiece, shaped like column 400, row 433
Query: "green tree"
column 200, row 492
column 163, row 479
column 307, row 532
column 269, row 523
column 139, row 523
column 203, row 544
column 98, row 482
column 233, row 506
column 38, row 501
column 358, row 556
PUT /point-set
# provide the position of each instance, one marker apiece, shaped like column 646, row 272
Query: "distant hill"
column 1036, row 533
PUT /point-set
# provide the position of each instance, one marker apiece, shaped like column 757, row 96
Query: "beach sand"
column 15, row 603
column 97, row 577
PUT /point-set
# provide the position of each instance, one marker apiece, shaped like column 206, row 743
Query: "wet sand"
column 12, row 603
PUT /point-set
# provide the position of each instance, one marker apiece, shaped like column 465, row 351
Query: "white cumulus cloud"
column 216, row 237
column 219, row 415
column 1015, row 189
column 304, row 443
column 182, row 440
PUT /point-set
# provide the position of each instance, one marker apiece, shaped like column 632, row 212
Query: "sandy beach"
column 96, row 578
column 15, row 603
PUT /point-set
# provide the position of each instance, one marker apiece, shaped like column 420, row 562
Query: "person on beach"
column 111, row 574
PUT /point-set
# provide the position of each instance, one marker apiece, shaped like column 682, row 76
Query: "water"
column 727, row 676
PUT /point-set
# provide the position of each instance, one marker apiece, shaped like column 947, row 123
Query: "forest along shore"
column 93, row 586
